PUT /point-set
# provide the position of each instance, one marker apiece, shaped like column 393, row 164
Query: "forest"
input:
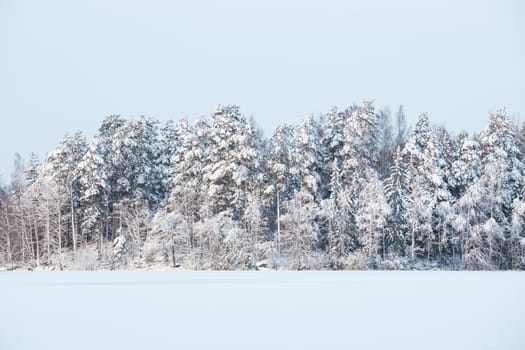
column 350, row 189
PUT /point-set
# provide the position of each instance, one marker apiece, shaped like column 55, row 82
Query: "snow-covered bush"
column 120, row 250
column 357, row 260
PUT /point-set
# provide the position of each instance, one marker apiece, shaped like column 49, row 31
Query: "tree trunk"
column 429, row 244
column 48, row 235
column 25, row 242
column 413, row 244
column 73, row 228
column 30, row 240
column 59, row 239
column 37, row 244
column 383, row 243
column 174, row 262
column 278, row 223
column 8, row 238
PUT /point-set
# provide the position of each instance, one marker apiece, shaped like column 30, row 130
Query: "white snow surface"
column 262, row 310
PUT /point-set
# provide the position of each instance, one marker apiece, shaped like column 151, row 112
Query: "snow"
column 262, row 310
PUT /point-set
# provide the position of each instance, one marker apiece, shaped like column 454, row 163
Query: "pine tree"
column 32, row 169
column 332, row 143
column 187, row 183
column 305, row 159
column 333, row 136
column 503, row 171
column 337, row 211
column 233, row 160
column 517, row 235
column 499, row 142
column 447, row 156
column 144, row 149
column 397, row 194
column 360, row 155
column 385, row 143
column 427, row 176
column 168, row 146
column 111, row 135
column 360, row 147
column 466, row 167
column 279, row 185
column 438, row 162
column 92, row 180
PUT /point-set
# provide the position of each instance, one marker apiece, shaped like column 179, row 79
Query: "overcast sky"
column 65, row 65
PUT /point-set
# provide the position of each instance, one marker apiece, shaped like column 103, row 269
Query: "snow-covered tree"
column 466, row 168
column 253, row 220
column 371, row 215
column 419, row 218
column 427, row 171
column 279, row 182
column 300, row 230
column 398, row 196
column 170, row 239
column 361, row 134
column 169, row 143
column 233, row 160
column 331, row 144
column 482, row 245
column 92, row 180
column 223, row 245
column 499, row 142
column 333, row 138
column 340, row 223
column 140, row 152
column 189, row 160
column 481, row 209
column 502, row 177
column 385, row 142
column 418, row 140
column 517, row 235
column 305, row 161
column 184, row 183
column 32, row 169
column 58, row 172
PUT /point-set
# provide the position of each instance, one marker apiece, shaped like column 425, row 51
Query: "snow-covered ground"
column 262, row 310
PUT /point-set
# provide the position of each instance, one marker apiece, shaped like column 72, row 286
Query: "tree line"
column 350, row 189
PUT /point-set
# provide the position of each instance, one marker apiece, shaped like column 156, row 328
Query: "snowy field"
column 262, row 310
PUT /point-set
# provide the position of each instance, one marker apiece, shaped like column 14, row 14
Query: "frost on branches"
column 351, row 189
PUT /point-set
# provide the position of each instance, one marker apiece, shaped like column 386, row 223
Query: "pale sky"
column 65, row 65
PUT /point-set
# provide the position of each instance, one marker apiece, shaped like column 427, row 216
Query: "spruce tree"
column 398, row 196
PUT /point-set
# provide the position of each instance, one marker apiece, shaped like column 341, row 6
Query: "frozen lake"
column 262, row 310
